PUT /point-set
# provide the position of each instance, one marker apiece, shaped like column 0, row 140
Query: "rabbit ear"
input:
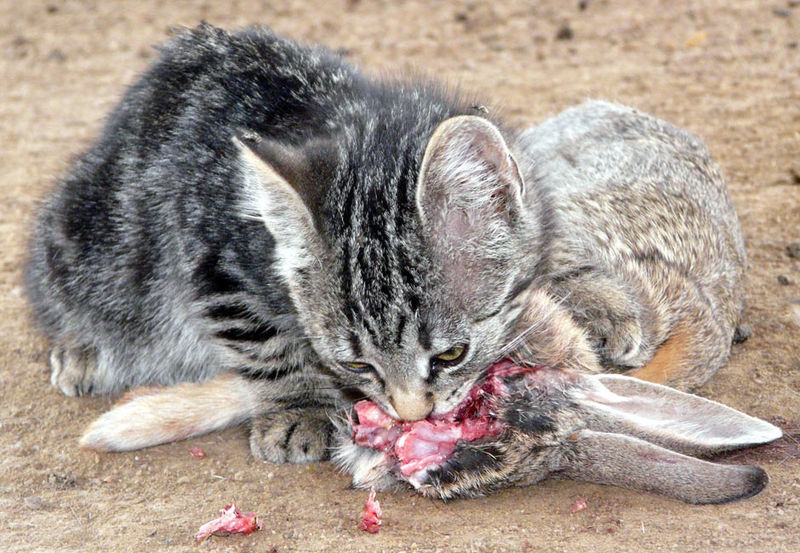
column 664, row 416
column 619, row 460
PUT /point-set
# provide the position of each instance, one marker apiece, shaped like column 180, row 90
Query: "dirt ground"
column 727, row 70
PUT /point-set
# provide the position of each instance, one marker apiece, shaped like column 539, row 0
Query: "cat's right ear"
column 280, row 189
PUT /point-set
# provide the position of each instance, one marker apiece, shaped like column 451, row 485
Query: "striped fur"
column 253, row 206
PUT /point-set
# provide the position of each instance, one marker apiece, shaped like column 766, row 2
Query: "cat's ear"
column 283, row 187
column 469, row 201
column 469, row 180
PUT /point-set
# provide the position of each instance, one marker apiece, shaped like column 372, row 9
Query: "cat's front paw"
column 302, row 436
column 72, row 370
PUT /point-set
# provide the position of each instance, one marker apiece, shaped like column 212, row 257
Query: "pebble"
column 793, row 250
column 783, row 280
column 565, row 32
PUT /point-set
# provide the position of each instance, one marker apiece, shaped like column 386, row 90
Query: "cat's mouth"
column 417, row 446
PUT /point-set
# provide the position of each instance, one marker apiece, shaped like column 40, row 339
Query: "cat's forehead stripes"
column 379, row 249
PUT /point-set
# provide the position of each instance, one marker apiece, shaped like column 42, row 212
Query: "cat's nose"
column 411, row 405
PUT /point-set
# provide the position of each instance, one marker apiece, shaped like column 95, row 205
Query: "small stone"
column 697, row 39
column 565, row 32
column 782, row 12
column 793, row 250
column 783, row 280
column 61, row 481
column 742, row 333
column 57, row 55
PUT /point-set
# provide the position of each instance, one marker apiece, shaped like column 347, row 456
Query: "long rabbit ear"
column 672, row 419
column 605, row 458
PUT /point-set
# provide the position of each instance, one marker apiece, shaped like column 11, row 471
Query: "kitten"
column 260, row 207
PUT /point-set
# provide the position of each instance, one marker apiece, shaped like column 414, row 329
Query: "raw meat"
column 230, row 521
column 419, row 445
column 371, row 515
column 197, row 452
column 578, row 505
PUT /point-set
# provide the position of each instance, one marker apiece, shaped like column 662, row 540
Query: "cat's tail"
column 152, row 416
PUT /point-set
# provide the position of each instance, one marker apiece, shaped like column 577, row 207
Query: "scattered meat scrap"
column 197, row 452
column 230, row 521
column 416, row 446
column 371, row 515
column 578, row 505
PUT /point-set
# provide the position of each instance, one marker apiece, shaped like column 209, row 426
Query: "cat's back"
column 147, row 220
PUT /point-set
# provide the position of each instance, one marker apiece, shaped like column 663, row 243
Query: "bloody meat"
column 420, row 445
column 230, row 521
column 371, row 515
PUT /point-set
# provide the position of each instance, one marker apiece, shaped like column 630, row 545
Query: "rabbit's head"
column 607, row 429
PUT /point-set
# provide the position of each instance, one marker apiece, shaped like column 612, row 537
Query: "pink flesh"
column 371, row 515
column 419, row 445
column 230, row 521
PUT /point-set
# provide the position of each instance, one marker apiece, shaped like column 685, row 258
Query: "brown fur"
column 669, row 361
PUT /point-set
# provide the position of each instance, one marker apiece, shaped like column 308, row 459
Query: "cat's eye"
column 451, row 357
column 356, row 367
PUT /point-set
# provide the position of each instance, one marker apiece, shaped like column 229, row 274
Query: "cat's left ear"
column 469, row 201
column 282, row 187
column 469, row 180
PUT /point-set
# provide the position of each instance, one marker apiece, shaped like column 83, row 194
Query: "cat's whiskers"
column 536, row 327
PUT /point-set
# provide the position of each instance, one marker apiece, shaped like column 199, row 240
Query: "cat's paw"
column 302, row 436
column 72, row 370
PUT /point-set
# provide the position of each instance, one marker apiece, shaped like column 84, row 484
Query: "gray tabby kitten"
column 261, row 217
column 175, row 248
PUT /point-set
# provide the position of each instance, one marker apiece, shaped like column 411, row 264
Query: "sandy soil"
column 727, row 70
